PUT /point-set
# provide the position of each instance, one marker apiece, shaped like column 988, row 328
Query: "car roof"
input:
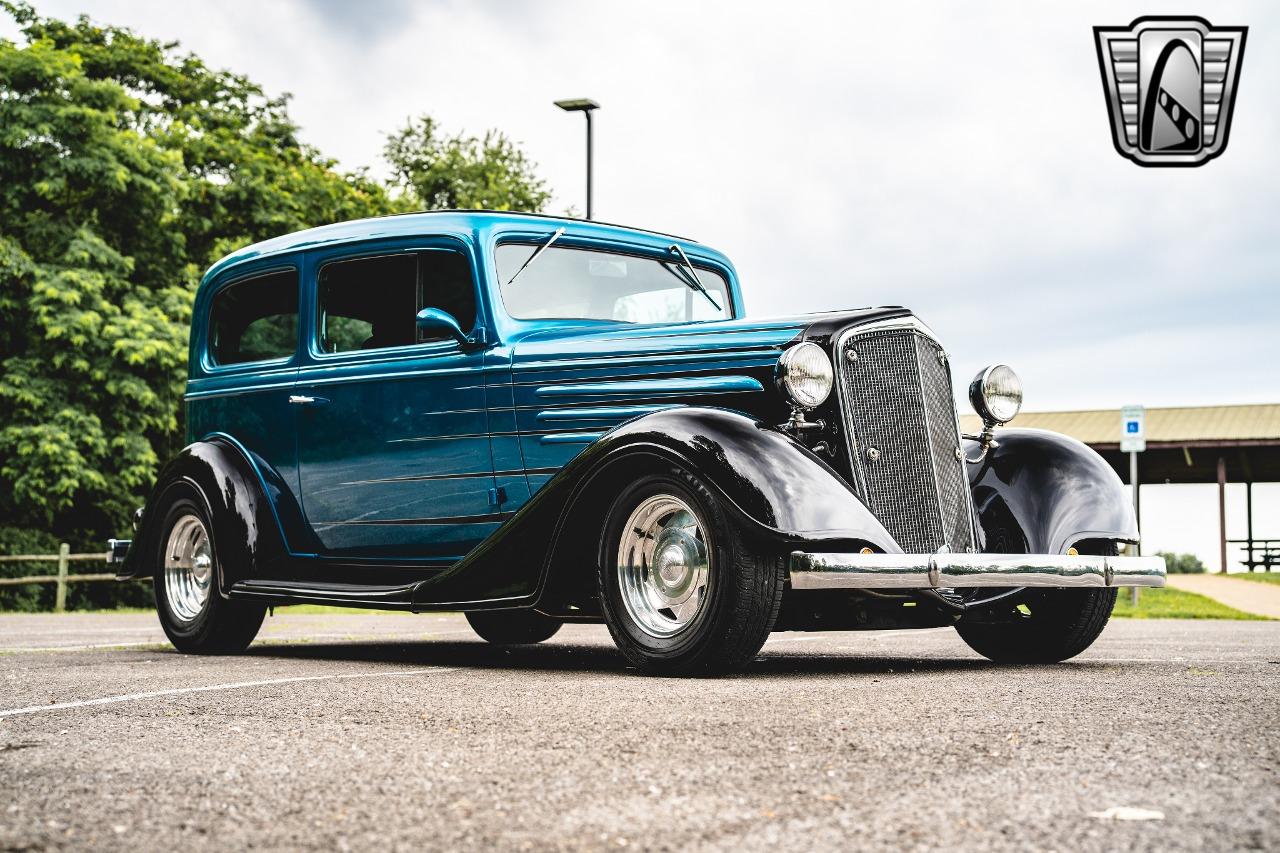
column 405, row 225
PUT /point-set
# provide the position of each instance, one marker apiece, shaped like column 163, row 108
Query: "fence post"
column 60, row 598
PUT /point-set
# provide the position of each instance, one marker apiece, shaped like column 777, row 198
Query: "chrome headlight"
column 804, row 375
column 996, row 394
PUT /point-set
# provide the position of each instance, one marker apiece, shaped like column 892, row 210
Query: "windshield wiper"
column 693, row 282
column 547, row 245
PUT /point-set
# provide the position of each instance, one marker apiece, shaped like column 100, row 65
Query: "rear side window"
column 255, row 319
column 372, row 303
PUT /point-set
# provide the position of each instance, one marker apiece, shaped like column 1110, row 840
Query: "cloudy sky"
column 955, row 158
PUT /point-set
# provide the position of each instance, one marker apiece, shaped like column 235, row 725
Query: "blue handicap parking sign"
column 1131, row 427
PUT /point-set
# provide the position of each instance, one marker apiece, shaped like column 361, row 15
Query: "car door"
column 245, row 357
column 393, row 445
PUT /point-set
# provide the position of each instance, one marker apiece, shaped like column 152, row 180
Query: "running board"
column 338, row 594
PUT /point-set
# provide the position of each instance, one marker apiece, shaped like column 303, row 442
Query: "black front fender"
column 1040, row 492
column 768, row 479
column 775, row 486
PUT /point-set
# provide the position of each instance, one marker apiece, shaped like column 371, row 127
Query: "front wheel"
column 683, row 590
column 194, row 615
column 1047, row 626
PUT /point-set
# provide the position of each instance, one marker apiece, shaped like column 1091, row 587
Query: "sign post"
column 1133, row 440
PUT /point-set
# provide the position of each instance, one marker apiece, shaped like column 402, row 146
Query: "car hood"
column 576, row 340
column 570, row 384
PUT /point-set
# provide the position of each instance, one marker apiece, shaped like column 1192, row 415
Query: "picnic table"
column 1260, row 553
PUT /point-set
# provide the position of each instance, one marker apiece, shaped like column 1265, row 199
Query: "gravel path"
column 1262, row 599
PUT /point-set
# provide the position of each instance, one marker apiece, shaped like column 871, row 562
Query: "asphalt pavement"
column 399, row 732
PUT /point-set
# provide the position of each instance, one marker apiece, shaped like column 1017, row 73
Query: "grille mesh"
column 897, row 395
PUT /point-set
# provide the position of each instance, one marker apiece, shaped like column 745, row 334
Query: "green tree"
column 1182, row 564
column 125, row 170
column 435, row 171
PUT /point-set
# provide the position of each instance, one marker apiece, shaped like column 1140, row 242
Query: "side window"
column 372, row 303
column 368, row 303
column 447, row 285
column 255, row 319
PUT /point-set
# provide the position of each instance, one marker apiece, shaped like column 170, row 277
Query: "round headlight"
column 996, row 394
column 804, row 375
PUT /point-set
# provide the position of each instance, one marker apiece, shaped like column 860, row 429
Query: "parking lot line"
column 235, row 685
column 7, row 650
column 266, row 640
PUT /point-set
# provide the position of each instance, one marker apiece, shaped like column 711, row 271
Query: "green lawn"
column 1259, row 577
column 1170, row 603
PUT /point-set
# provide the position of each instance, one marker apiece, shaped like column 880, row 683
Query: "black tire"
column 743, row 590
column 513, row 627
column 219, row 626
column 1060, row 624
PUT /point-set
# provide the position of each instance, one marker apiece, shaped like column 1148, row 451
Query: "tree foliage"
column 436, row 171
column 125, row 170
column 1182, row 564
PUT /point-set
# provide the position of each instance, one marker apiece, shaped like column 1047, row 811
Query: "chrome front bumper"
column 925, row 571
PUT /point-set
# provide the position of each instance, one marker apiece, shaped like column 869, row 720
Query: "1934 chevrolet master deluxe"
column 539, row 421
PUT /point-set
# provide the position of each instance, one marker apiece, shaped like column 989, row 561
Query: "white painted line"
column 141, row 629
column 268, row 640
column 159, row 641
column 237, row 685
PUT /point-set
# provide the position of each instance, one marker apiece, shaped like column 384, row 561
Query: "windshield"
column 587, row 284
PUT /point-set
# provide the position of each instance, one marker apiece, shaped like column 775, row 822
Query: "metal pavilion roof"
column 1193, row 426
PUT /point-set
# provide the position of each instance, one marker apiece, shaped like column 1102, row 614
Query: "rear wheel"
column 1047, row 626
column 684, row 591
column 513, row 627
column 195, row 617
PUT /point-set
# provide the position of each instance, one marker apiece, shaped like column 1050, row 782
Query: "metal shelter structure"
column 1186, row 444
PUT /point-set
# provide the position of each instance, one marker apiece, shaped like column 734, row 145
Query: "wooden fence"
column 63, row 558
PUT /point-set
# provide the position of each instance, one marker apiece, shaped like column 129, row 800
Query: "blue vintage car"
column 539, row 420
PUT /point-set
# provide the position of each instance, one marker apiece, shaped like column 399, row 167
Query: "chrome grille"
column 903, row 436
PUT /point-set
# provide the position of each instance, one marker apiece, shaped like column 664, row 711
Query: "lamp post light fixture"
column 584, row 106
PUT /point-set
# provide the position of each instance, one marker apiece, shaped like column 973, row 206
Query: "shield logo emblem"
column 1170, row 85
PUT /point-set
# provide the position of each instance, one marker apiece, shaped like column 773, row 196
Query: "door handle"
column 304, row 400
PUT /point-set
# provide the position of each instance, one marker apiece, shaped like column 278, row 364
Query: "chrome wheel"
column 188, row 567
column 663, row 565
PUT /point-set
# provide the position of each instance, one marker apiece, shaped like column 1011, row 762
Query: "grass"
column 1169, row 603
column 1257, row 577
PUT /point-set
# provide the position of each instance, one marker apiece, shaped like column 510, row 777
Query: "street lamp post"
column 584, row 106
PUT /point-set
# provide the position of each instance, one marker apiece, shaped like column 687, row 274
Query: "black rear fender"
column 244, row 501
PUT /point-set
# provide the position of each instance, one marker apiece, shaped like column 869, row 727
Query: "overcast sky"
column 954, row 158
